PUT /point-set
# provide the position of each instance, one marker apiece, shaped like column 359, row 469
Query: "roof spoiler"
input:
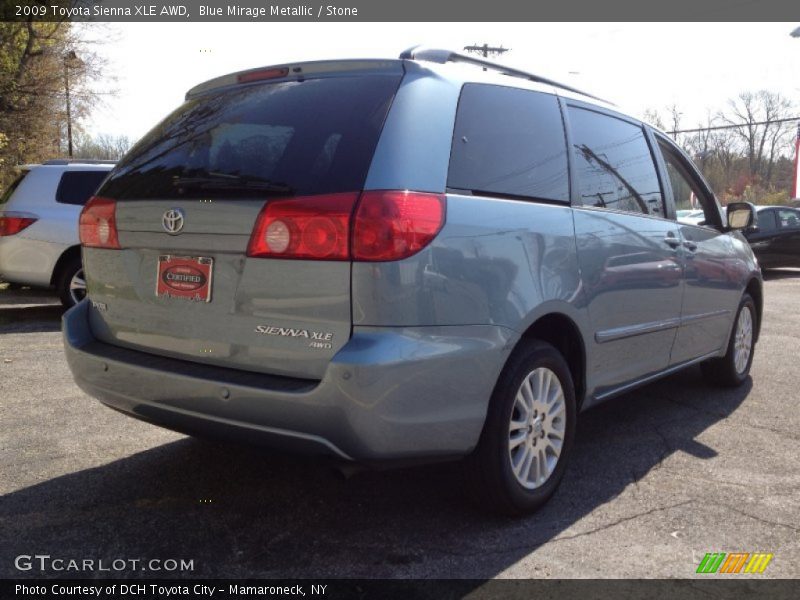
column 295, row 71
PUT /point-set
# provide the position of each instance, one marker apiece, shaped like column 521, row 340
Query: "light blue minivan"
column 434, row 257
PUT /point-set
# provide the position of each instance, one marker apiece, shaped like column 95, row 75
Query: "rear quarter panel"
column 496, row 262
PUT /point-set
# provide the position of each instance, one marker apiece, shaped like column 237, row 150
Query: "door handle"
column 690, row 246
column 672, row 241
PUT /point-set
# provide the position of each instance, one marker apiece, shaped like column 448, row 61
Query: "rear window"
column 6, row 196
column 309, row 137
column 76, row 187
column 509, row 142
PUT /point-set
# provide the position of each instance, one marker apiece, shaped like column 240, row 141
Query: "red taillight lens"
column 11, row 223
column 311, row 227
column 391, row 225
column 387, row 225
column 98, row 223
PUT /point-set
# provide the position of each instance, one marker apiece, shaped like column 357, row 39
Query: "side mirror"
column 741, row 215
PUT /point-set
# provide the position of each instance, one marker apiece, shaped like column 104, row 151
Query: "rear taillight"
column 390, row 225
column 383, row 225
column 11, row 223
column 98, row 224
column 311, row 227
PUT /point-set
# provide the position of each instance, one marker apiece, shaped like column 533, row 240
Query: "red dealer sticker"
column 187, row 277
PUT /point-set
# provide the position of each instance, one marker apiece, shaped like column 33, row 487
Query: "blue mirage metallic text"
column 276, row 10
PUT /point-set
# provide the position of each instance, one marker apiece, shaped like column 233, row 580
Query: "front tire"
column 71, row 284
column 527, row 438
column 732, row 369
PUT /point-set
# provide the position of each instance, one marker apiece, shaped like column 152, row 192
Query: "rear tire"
column 732, row 369
column 71, row 285
column 527, row 438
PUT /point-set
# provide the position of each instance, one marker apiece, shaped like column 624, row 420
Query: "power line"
column 735, row 126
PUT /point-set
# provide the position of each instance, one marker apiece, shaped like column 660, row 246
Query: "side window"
column 76, row 187
column 766, row 220
column 788, row 219
column 687, row 193
column 509, row 141
column 613, row 163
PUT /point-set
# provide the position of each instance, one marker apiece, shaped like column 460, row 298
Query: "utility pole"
column 486, row 50
column 70, row 59
column 796, row 186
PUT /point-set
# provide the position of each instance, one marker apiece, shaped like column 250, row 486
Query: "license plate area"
column 185, row 277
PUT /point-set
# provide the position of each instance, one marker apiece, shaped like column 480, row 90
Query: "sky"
column 697, row 66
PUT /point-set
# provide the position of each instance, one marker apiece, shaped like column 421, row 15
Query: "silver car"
column 403, row 260
column 39, row 213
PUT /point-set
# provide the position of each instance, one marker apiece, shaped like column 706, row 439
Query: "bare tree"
column 653, row 117
column 102, row 146
column 757, row 116
column 700, row 142
column 675, row 121
column 724, row 147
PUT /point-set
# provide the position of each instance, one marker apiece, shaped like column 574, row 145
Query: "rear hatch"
column 183, row 278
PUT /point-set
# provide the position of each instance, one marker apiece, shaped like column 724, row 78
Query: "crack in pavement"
column 530, row 547
column 759, row 519
column 622, row 520
column 727, row 419
column 682, row 474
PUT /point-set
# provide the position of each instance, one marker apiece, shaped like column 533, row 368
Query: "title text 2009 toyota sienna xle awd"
column 395, row 260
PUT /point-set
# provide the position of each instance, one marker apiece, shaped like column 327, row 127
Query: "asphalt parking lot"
column 659, row 477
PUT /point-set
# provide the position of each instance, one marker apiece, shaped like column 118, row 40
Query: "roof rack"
column 83, row 161
column 444, row 56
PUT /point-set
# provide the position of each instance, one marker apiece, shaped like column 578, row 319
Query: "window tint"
column 613, row 164
column 304, row 137
column 685, row 197
column 6, row 195
column 509, row 142
column 766, row 220
column 76, row 187
column 788, row 219
column 688, row 195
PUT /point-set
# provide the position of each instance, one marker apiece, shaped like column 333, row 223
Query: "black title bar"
column 389, row 589
column 399, row 10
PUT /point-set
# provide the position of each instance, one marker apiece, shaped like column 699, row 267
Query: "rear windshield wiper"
column 232, row 182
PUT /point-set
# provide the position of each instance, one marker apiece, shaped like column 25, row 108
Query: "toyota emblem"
column 173, row 221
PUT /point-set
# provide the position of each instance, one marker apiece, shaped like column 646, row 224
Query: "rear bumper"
column 388, row 394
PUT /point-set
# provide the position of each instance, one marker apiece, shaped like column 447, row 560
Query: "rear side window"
column 766, row 220
column 9, row 191
column 613, row 163
column 788, row 219
column 510, row 142
column 298, row 137
column 76, row 187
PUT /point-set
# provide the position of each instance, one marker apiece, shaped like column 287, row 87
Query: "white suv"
column 39, row 214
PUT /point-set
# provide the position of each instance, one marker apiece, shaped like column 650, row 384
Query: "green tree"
column 37, row 61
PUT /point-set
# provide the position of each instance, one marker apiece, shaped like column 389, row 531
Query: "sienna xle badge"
column 396, row 260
